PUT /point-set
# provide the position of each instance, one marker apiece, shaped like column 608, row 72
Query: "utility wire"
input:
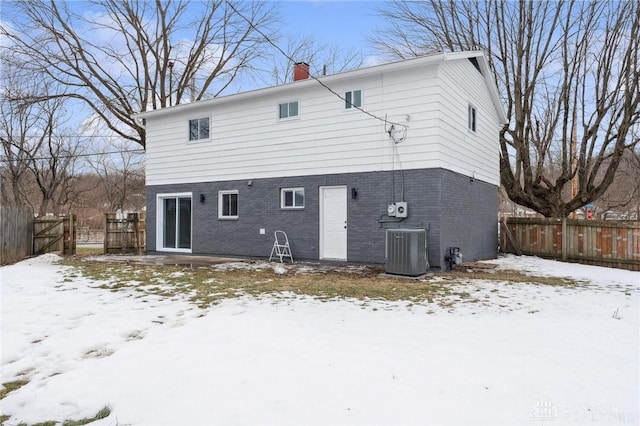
column 31, row 158
column 68, row 135
column 92, row 154
column 384, row 120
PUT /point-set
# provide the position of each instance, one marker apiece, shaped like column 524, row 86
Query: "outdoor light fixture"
column 354, row 193
column 202, row 198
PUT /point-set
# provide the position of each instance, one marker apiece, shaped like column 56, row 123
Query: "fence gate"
column 54, row 234
column 124, row 234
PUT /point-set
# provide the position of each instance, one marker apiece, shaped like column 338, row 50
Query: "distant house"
column 306, row 158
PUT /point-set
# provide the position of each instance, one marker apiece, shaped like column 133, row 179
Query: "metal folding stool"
column 281, row 246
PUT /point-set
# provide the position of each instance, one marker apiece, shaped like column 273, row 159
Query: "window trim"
column 293, row 190
column 189, row 129
column 472, row 118
column 288, row 117
column 350, row 106
column 221, row 195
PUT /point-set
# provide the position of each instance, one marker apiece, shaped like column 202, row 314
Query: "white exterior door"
column 333, row 222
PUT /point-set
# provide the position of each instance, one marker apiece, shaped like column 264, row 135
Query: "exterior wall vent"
column 406, row 252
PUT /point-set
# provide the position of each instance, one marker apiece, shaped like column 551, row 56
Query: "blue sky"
column 346, row 23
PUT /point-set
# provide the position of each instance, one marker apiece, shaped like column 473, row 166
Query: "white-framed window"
column 228, row 204
column 288, row 109
column 292, row 198
column 199, row 129
column 353, row 99
column 472, row 118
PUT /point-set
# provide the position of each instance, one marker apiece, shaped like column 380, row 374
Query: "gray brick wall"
column 469, row 217
column 454, row 210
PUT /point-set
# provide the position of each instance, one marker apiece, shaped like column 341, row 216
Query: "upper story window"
column 288, row 109
column 472, row 118
column 228, row 204
column 292, row 198
column 199, row 129
column 353, row 99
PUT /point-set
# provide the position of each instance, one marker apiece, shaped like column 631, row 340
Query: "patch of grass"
column 8, row 387
column 103, row 413
column 206, row 286
column 89, row 250
column 511, row 277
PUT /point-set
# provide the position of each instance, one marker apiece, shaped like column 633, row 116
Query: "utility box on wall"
column 406, row 252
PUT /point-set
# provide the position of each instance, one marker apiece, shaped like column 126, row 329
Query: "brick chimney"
column 300, row 71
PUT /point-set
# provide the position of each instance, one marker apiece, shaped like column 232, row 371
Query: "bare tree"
column 122, row 57
column 38, row 148
column 55, row 176
column 569, row 75
column 322, row 58
column 121, row 175
column 622, row 198
column 16, row 122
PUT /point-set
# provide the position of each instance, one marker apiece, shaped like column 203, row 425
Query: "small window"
column 292, row 198
column 472, row 118
column 228, row 204
column 353, row 99
column 199, row 129
column 288, row 109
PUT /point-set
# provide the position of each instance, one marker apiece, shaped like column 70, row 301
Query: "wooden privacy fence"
column 604, row 243
column 16, row 233
column 54, row 234
column 124, row 235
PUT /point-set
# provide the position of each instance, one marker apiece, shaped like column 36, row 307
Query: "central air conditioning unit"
column 406, row 252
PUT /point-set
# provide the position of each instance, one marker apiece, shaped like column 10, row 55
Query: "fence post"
column 72, row 234
column 136, row 237
column 106, row 234
column 565, row 239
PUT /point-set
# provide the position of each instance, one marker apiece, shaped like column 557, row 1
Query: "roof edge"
column 391, row 66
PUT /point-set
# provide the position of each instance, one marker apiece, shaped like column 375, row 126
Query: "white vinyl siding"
column 252, row 145
column 463, row 150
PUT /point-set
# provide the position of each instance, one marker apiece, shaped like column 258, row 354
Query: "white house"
column 324, row 159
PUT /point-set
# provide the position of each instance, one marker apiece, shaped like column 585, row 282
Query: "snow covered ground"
column 529, row 354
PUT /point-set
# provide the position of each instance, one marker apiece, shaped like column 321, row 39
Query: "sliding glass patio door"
column 175, row 217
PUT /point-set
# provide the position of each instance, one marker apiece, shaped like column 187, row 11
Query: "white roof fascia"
column 488, row 78
column 330, row 79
